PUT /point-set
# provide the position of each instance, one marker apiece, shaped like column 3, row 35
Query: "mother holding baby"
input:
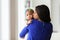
column 40, row 27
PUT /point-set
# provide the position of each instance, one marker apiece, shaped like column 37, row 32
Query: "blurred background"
column 12, row 17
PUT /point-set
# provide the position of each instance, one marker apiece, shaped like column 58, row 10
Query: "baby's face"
column 28, row 15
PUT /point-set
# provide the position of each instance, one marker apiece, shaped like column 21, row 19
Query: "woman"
column 40, row 27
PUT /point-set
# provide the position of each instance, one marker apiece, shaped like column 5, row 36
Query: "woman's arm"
column 23, row 32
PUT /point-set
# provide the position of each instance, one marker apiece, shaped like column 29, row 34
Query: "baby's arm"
column 24, row 32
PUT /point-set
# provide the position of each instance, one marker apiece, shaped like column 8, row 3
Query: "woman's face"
column 35, row 15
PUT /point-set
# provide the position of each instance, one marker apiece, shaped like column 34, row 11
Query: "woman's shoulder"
column 36, row 21
column 33, row 21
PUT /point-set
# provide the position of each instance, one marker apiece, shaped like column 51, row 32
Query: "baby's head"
column 29, row 14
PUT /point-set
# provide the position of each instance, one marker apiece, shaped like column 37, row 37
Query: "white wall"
column 5, row 20
column 0, row 19
column 56, row 14
column 55, row 9
column 34, row 3
column 21, row 16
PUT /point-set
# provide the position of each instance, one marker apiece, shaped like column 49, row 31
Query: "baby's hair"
column 30, row 10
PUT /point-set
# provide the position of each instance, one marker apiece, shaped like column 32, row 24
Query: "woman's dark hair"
column 43, row 13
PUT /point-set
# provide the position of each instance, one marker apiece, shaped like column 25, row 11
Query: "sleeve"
column 23, row 32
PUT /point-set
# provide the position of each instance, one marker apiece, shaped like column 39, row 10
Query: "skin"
column 29, row 17
column 35, row 15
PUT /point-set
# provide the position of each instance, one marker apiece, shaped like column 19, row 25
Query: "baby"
column 29, row 15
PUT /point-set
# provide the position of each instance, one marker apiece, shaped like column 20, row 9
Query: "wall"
column 34, row 3
column 55, row 8
column 21, row 16
column 55, row 14
column 5, row 19
column 0, row 19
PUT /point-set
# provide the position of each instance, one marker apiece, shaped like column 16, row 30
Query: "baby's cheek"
column 30, row 17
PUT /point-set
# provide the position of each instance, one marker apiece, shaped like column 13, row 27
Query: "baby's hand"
column 28, row 22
